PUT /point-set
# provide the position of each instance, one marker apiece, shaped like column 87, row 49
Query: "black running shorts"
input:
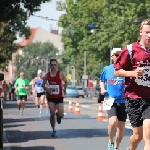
column 22, row 97
column 55, row 100
column 138, row 109
column 39, row 94
column 118, row 110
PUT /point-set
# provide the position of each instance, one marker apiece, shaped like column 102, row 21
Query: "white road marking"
column 85, row 106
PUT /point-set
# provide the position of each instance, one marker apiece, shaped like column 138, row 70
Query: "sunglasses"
column 115, row 55
column 53, row 64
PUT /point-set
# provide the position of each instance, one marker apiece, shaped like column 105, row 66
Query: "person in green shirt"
column 21, row 89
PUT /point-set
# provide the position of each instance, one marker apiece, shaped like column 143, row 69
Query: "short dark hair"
column 53, row 60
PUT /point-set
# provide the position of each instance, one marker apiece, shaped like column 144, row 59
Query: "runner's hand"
column 138, row 72
column 103, row 91
column 49, row 91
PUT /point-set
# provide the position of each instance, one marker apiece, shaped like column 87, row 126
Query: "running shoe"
column 53, row 133
column 128, row 148
column 40, row 114
column 110, row 146
column 47, row 112
column 115, row 149
column 21, row 113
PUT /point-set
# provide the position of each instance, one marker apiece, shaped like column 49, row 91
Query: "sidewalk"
column 28, row 132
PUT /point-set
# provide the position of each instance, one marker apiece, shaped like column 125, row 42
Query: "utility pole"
column 46, row 63
column 85, row 77
column 73, row 75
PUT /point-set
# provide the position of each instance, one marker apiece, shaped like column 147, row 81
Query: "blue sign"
column 92, row 25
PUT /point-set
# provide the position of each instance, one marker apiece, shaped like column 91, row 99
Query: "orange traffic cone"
column 100, row 113
column 77, row 108
column 70, row 106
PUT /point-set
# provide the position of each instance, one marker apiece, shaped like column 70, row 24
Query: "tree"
column 116, row 23
column 34, row 58
column 13, row 20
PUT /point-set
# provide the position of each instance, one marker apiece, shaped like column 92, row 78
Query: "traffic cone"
column 100, row 113
column 77, row 108
column 70, row 106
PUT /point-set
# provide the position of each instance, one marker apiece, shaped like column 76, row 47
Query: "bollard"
column 1, row 124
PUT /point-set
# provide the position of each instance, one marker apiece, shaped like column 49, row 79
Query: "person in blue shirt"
column 112, row 88
column 40, row 92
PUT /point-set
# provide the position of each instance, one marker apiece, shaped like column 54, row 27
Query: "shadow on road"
column 33, row 148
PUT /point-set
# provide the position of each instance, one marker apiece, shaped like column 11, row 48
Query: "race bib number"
column 107, row 103
column 55, row 89
column 145, row 79
column 40, row 90
column 22, row 86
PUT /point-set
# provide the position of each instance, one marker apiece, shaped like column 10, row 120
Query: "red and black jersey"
column 55, row 84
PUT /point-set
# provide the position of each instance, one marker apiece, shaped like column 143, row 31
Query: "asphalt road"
column 76, row 132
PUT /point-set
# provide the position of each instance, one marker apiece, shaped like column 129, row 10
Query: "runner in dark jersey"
column 136, row 69
column 52, row 83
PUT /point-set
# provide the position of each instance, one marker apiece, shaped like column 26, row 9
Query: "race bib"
column 22, row 86
column 55, row 89
column 39, row 89
column 145, row 79
column 107, row 103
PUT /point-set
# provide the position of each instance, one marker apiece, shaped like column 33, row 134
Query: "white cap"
column 39, row 71
column 115, row 51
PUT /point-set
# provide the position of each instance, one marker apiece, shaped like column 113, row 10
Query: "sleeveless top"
column 38, row 86
column 5, row 87
column 55, row 84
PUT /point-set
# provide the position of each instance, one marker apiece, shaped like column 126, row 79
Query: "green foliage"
column 116, row 24
column 34, row 58
column 13, row 20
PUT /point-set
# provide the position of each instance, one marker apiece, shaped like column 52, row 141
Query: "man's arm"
column 45, row 86
column 65, row 80
column 122, row 73
column 102, row 87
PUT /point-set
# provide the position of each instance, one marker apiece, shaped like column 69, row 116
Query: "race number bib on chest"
column 39, row 89
column 145, row 79
column 107, row 103
column 55, row 89
column 22, row 86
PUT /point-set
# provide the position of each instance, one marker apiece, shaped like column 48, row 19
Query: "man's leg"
column 112, row 128
column 60, row 113
column 112, row 125
column 23, row 105
column 52, row 114
column 10, row 96
column 122, row 116
column 42, row 99
column 37, row 99
column 146, row 133
column 136, row 137
column 19, row 101
column 120, row 133
column 5, row 94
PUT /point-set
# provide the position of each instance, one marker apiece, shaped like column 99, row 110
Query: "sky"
column 47, row 10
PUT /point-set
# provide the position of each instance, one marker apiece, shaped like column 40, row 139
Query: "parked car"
column 81, row 91
column 72, row 91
